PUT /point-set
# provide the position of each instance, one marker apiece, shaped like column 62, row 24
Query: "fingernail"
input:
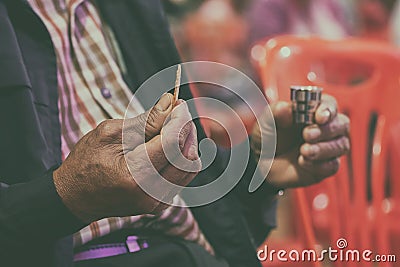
column 325, row 115
column 164, row 103
column 312, row 150
column 313, row 133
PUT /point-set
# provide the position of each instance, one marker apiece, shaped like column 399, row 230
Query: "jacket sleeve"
column 33, row 211
column 259, row 207
column 30, row 208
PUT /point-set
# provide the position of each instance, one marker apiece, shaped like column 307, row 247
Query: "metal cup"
column 305, row 101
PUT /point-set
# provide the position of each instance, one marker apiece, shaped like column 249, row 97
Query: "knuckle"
column 311, row 152
column 345, row 119
column 334, row 127
column 345, row 145
column 151, row 119
column 108, row 128
column 140, row 123
column 151, row 123
column 143, row 126
column 336, row 147
column 329, row 103
column 333, row 167
column 339, row 146
column 103, row 126
column 141, row 119
column 331, row 100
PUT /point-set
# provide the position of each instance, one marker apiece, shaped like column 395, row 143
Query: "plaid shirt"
column 92, row 89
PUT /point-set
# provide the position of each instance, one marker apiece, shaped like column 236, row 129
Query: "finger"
column 182, row 170
column 177, row 128
column 282, row 112
column 147, row 159
column 327, row 110
column 166, row 193
column 149, row 165
column 169, row 144
column 184, row 157
column 145, row 164
column 326, row 150
column 171, row 193
column 142, row 128
column 319, row 170
column 339, row 126
column 178, row 102
column 157, row 116
column 178, row 178
column 190, row 150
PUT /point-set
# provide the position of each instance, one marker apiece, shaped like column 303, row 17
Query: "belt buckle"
column 135, row 244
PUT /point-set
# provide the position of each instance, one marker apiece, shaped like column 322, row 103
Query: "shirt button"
column 106, row 93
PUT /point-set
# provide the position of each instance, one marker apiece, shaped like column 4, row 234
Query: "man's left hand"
column 303, row 156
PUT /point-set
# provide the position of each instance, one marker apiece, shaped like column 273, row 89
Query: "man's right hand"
column 94, row 182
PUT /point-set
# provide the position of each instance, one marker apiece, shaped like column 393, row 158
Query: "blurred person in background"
column 376, row 19
column 221, row 30
column 214, row 30
column 325, row 18
column 395, row 24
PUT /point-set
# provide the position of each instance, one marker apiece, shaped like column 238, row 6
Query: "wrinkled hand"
column 95, row 182
column 303, row 156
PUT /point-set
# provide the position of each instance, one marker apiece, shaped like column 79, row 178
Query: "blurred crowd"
column 224, row 31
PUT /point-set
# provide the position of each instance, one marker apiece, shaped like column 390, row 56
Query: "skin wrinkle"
column 103, row 190
column 304, row 162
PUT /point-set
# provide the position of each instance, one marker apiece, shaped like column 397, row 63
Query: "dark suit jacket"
column 34, row 223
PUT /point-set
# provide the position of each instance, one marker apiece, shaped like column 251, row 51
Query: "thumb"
column 282, row 112
column 288, row 134
column 277, row 117
column 148, row 123
column 153, row 120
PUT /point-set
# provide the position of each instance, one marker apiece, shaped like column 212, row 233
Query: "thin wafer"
column 177, row 83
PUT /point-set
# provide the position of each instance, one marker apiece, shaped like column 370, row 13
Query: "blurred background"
column 348, row 47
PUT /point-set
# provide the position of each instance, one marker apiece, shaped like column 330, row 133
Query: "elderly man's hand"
column 303, row 156
column 95, row 182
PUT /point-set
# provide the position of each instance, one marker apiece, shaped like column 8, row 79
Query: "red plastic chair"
column 364, row 78
column 392, row 204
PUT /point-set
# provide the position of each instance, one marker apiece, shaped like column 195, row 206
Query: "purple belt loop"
column 132, row 244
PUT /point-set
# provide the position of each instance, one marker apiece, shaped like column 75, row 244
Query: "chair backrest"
column 364, row 78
